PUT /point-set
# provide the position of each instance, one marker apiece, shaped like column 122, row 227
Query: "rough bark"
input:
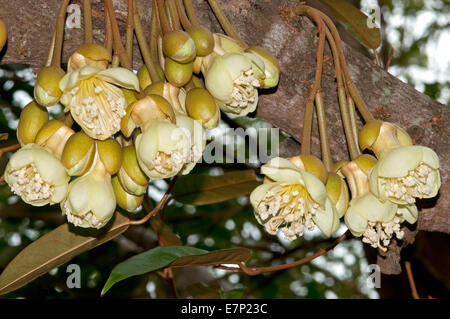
column 293, row 40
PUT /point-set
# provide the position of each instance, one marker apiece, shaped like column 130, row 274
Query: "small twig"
column 389, row 60
column 108, row 43
column 129, row 32
column 377, row 58
column 50, row 50
column 190, row 11
column 174, row 17
column 59, row 34
column 182, row 15
column 87, row 14
column 412, row 284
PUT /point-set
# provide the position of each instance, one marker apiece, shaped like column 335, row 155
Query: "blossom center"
column 30, row 185
column 288, row 208
column 165, row 163
column 99, row 106
column 244, row 90
column 379, row 234
column 409, row 187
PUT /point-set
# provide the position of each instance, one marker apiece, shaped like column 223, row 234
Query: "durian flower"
column 376, row 221
column 37, row 176
column 291, row 199
column 90, row 202
column 406, row 173
column 233, row 79
column 166, row 149
column 95, row 100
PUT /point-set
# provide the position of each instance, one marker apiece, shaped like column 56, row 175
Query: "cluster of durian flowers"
column 130, row 129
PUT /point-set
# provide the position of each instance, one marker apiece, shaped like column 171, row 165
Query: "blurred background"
column 419, row 34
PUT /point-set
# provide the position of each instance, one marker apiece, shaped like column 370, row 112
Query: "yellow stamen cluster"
column 30, row 185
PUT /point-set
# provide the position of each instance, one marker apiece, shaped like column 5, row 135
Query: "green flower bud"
column 78, row 154
column 36, row 176
column 46, row 89
column 130, row 175
column 225, row 44
column 201, row 106
column 179, row 46
column 338, row 192
column 178, row 74
column 125, row 200
column 89, row 54
column 203, row 39
column 53, row 136
column 3, row 34
column 144, row 76
column 272, row 67
column 312, row 164
column 31, row 120
column 292, row 199
column 110, row 154
column 90, row 202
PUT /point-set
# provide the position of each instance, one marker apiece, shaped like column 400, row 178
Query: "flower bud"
column 89, row 54
column 78, row 154
column 110, row 154
column 144, row 76
column 406, row 173
column 31, row 120
column 338, row 192
column 3, row 34
column 145, row 111
column 90, row 202
column 36, row 176
column 201, row 106
column 53, row 137
column 381, row 137
column 131, row 176
column 174, row 95
column 177, row 73
column 203, row 39
column 356, row 172
column 292, row 199
column 179, row 46
column 46, row 89
column 312, row 164
column 125, row 200
column 224, row 44
column 272, row 67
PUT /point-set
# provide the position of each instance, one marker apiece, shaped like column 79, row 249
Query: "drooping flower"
column 233, row 81
column 94, row 99
column 406, row 173
column 37, row 176
column 291, row 200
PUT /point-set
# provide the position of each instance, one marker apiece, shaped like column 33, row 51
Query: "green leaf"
column 204, row 189
column 233, row 294
column 148, row 261
column 355, row 22
column 173, row 256
column 52, row 250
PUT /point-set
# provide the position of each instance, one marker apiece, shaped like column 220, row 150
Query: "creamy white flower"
column 94, row 99
column 166, row 149
column 376, row 221
column 90, row 202
column 406, row 173
column 37, row 176
column 233, row 80
column 291, row 200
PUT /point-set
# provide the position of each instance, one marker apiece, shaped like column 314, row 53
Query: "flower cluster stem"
column 174, row 17
column 191, row 12
column 182, row 15
column 59, row 34
column 87, row 15
column 130, row 30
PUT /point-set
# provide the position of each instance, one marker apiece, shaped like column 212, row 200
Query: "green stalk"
column 87, row 14
column 154, row 33
column 165, row 26
column 191, row 12
column 108, row 43
column 225, row 23
column 323, row 132
column 174, row 17
column 59, row 34
column 182, row 14
column 129, row 33
column 352, row 112
column 50, row 50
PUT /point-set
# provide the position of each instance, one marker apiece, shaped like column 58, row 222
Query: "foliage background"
column 339, row 274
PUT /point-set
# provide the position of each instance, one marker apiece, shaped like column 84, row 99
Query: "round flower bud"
column 178, row 74
column 31, row 120
column 203, row 39
column 89, row 54
column 291, row 199
column 53, row 136
column 78, row 154
column 125, row 200
column 406, row 173
column 46, row 89
column 3, row 34
column 338, row 192
column 37, row 176
column 179, row 46
column 144, row 76
column 272, row 67
column 90, row 202
column 201, row 106
column 130, row 175
column 312, row 164
column 110, row 154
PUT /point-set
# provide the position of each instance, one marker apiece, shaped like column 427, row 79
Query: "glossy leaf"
column 355, row 22
column 204, row 189
column 225, row 256
column 52, row 250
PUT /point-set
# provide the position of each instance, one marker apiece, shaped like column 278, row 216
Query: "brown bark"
column 293, row 40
